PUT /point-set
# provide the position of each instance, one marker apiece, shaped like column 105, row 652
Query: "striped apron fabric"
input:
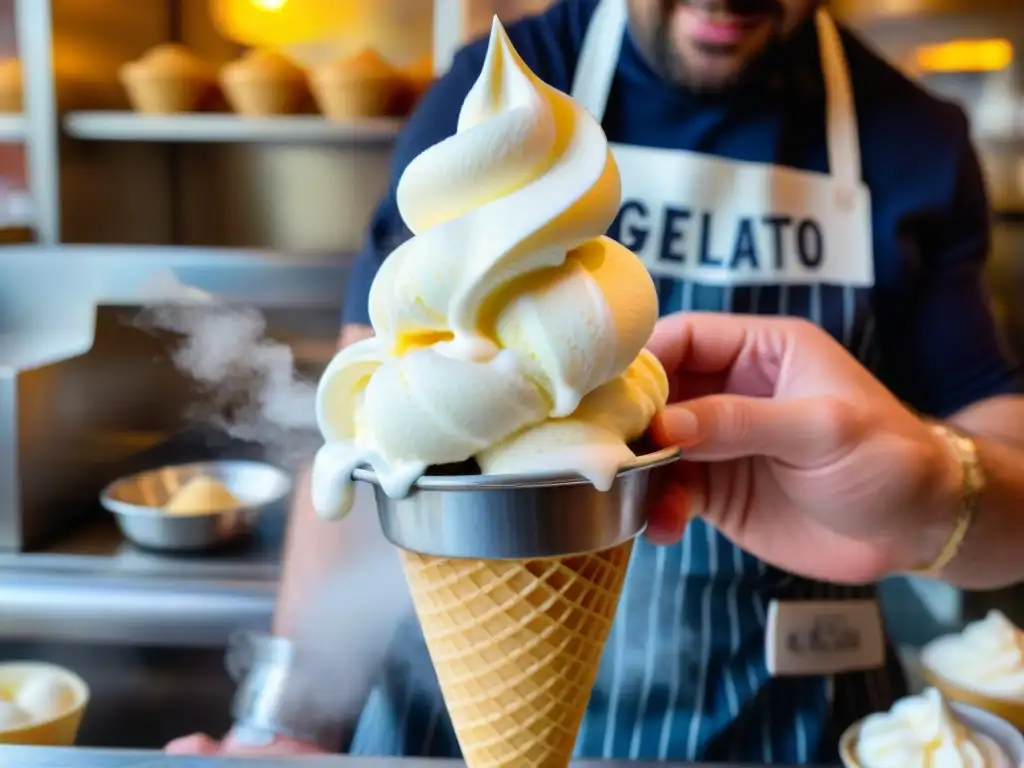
column 684, row 675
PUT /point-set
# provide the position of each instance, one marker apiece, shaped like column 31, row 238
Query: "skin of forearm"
column 352, row 333
column 312, row 545
column 992, row 554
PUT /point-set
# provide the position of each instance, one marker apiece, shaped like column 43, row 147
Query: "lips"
column 721, row 28
column 735, row 7
column 716, row 32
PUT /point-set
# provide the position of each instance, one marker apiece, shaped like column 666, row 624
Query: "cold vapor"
column 249, row 388
column 247, row 383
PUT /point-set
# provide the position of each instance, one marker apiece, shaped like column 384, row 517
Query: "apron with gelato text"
column 685, row 674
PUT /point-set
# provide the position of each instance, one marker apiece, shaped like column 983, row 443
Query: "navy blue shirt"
column 938, row 345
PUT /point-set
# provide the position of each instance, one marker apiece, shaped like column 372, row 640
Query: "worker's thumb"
column 804, row 432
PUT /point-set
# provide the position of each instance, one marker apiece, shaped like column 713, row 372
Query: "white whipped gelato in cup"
column 922, row 732
column 45, row 696
column 12, row 716
column 986, row 657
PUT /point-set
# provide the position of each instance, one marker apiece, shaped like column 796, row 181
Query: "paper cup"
column 1000, row 732
column 59, row 731
column 1010, row 710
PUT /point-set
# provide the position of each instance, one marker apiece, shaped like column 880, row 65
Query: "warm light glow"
column 965, row 56
column 315, row 31
column 273, row 23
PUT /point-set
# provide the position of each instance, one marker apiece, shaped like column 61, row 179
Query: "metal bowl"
column 517, row 517
column 138, row 503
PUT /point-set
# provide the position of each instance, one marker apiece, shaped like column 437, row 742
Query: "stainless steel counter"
column 95, row 587
column 59, row 758
column 90, row 585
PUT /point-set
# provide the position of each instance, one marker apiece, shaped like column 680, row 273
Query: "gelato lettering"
column 827, row 634
column 681, row 242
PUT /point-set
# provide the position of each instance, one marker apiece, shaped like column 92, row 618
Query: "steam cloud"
column 251, row 389
column 350, row 625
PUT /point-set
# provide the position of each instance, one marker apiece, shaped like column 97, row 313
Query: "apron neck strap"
column 599, row 56
column 841, row 132
column 602, row 45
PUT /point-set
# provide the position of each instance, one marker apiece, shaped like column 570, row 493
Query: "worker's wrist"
column 276, row 696
column 245, row 738
column 942, row 505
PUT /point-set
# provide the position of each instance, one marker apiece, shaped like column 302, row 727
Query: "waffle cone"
column 516, row 646
column 342, row 101
column 165, row 96
column 10, row 99
column 264, row 98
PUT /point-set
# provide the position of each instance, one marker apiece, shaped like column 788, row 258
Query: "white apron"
column 685, row 675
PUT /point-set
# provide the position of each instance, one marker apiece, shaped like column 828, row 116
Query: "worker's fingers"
column 281, row 746
column 194, row 744
column 676, row 496
column 754, row 356
column 808, row 432
column 708, row 342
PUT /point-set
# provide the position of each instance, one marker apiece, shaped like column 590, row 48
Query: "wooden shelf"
column 227, row 128
column 12, row 128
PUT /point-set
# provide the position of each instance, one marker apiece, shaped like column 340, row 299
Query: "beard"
column 651, row 29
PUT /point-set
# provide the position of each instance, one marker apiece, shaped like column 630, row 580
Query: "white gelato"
column 509, row 328
column 12, row 716
column 922, row 732
column 45, row 696
column 986, row 657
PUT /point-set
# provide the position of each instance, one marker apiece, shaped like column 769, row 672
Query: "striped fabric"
column 684, row 675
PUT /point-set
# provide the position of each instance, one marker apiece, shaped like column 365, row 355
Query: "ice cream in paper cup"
column 982, row 666
column 495, row 409
column 40, row 704
column 928, row 730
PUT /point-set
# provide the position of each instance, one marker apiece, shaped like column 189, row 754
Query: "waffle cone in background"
column 264, row 83
column 169, row 79
column 516, row 645
column 10, row 85
column 415, row 80
column 364, row 85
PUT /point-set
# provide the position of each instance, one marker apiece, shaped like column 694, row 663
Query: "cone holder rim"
column 518, row 517
column 537, row 480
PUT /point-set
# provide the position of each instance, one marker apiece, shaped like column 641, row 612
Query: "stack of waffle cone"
column 516, row 645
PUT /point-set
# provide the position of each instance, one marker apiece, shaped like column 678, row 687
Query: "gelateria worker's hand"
column 201, row 744
column 795, row 452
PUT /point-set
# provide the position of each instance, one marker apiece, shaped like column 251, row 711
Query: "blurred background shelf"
column 12, row 128
column 226, row 128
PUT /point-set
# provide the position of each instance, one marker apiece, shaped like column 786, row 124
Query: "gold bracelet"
column 971, row 487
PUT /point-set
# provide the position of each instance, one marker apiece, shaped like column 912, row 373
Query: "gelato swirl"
column 922, row 732
column 508, row 328
column 987, row 657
